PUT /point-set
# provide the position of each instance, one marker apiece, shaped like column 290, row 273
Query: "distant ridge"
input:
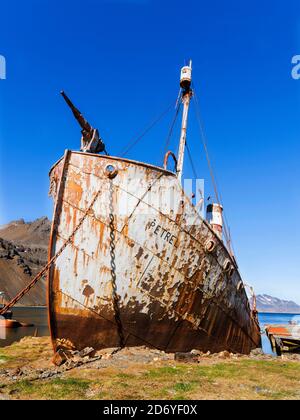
column 267, row 303
column 23, row 252
column 34, row 233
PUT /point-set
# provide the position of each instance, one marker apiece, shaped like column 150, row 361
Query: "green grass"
column 4, row 358
column 27, row 350
column 125, row 376
column 55, row 389
column 183, row 386
column 166, row 371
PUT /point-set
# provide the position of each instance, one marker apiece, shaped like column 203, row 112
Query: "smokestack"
column 214, row 216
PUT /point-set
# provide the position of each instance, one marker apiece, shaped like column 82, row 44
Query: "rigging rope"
column 191, row 160
column 133, row 143
column 214, row 182
column 177, row 109
column 195, row 173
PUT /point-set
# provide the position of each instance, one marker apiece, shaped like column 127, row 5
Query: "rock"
column 45, row 375
column 257, row 352
column 20, row 261
column 14, row 373
column 106, row 356
column 88, row 351
column 236, row 355
column 27, row 270
column 186, row 357
column 111, row 350
column 224, row 355
column 13, row 392
column 196, row 352
column 290, row 356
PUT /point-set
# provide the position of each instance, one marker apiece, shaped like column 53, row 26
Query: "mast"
column 185, row 84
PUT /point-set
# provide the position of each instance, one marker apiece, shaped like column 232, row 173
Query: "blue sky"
column 119, row 61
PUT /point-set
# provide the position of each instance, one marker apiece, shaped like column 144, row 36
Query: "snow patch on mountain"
column 267, row 303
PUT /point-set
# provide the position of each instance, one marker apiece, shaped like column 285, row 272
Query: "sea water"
column 30, row 315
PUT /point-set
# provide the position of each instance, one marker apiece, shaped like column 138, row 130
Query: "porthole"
column 231, row 271
column 111, row 171
column 210, row 245
column 227, row 266
column 239, row 286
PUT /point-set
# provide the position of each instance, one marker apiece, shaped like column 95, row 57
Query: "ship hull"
column 143, row 268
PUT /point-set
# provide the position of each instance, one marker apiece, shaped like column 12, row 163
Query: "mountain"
column 266, row 303
column 23, row 252
column 32, row 233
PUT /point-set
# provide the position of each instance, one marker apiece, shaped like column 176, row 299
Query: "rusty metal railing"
column 167, row 155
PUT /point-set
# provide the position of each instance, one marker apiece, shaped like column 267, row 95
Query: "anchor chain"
column 115, row 296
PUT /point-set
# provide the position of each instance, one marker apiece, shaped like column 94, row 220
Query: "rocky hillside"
column 23, row 252
column 266, row 303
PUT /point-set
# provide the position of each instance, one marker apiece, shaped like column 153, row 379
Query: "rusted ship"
column 134, row 263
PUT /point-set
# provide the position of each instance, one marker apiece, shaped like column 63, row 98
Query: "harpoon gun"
column 90, row 140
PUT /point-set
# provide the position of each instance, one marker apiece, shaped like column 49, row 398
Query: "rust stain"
column 166, row 279
column 140, row 253
column 88, row 291
column 75, row 191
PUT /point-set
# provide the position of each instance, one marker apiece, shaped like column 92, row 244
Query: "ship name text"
column 163, row 233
